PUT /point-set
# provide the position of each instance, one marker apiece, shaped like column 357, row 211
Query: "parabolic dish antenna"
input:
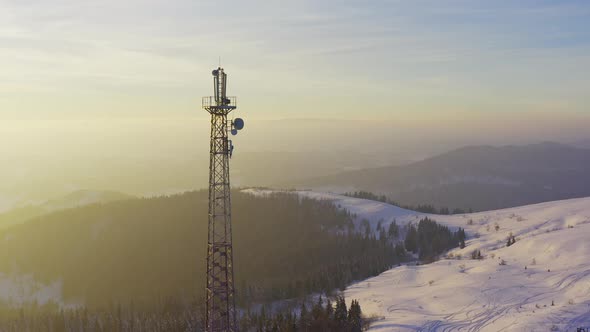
column 239, row 123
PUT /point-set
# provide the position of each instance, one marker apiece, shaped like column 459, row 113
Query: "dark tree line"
column 476, row 254
column 430, row 239
column 424, row 208
column 320, row 317
column 318, row 253
column 169, row 315
column 174, row 316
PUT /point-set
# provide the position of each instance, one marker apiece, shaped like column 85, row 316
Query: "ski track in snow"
column 553, row 243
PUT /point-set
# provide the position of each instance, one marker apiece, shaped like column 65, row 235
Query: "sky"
column 124, row 79
column 296, row 59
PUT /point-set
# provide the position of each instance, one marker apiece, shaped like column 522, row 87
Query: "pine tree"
column 290, row 323
column 341, row 313
column 411, row 241
column 461, row 236
column 393, row 230
column 261, row 319
column 329, row 309
column 354, row 317
column 382, row 236
column 304, row 319
column 318, row 309
column 511, row 240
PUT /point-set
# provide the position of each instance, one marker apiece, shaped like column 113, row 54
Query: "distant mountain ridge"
column 85, row 197
column 74, row 199
column 477, row 177
column 585, row 143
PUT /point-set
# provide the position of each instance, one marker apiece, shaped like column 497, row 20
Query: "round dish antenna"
column 239, row 123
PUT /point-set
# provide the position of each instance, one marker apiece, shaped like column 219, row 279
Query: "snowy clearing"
column 544, row 284
column 20, row 290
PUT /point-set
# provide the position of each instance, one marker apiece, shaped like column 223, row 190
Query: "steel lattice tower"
column 221, row 312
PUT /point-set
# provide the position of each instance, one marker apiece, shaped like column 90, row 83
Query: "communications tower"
column 221, row 311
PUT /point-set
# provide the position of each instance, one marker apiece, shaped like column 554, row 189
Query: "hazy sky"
column 122, row 79
column 350, row 59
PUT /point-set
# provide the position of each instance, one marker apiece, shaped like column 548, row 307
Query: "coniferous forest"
column 172, row 316
column 430, row 239
column 424, row 208
column 142, row 261
column 319, row 317
column 143, row 250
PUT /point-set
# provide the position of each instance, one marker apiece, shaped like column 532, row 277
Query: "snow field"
column 543, row 286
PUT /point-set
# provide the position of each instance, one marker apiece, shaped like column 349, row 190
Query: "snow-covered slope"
column 544, row 284
column 17, row 290
column 364, row 209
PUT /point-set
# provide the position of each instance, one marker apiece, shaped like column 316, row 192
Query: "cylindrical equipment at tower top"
column 220, row 86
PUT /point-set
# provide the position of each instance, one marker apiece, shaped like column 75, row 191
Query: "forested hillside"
column 143, row 250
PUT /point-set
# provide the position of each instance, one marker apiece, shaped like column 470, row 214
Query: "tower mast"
column 221, row 311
